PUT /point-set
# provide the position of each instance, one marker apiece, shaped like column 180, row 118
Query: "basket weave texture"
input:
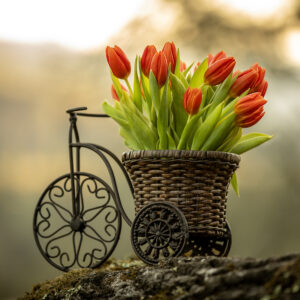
column 195, row 181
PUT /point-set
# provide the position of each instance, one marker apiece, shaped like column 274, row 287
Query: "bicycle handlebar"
column 72, row 110
column 75, row 109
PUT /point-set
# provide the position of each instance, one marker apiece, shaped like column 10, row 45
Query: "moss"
column 286, row 280
column 70, row 282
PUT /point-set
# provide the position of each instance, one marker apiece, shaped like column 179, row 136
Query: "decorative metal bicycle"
column 78, row 218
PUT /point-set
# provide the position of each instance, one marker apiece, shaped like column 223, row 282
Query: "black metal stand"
column 78, row 218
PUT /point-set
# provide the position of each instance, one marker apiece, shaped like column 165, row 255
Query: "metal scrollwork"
column 159, row 231
column 80, row 235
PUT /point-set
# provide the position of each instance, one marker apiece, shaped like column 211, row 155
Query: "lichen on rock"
column 209, row 278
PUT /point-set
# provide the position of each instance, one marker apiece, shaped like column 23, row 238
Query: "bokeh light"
column 78, row 24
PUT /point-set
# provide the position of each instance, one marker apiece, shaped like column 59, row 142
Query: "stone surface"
column 208, row 278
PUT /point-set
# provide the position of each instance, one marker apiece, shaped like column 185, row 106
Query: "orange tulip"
column 159, row 67
column 263, row 88
column 219, row 67
column 212, row 59
column 249, row 110
column 191, row 100
column 260, row 77
column 114, row 93
column 118, row 62
column 170, row 52
column 182, row 66
column 244, row 81
column 146, row 59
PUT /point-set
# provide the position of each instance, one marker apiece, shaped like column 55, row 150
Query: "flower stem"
column 226, row 100
column 225, row 118
column 129, row 86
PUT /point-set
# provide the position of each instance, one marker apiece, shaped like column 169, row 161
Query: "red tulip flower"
column 263, row 88
column 182, row 66
column 170, row 52
column 244, row 81
column 159, row 67
column 114, row 93
column 249, row 110
column 191, row 100
column 146, row 59
column 219, row 67
column 260, row 77
column 212, row 59
column 118, row 62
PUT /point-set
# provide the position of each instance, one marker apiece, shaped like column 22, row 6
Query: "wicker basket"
column 195, row 181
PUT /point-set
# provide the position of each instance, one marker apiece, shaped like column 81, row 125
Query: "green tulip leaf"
column 177, row 68
column 129, row 139
column 198, row 77
column 137, row 94
column 185, row 72
column 189, row 128
column 233, row 137
column 219, row 134
column 155, row 94
column 179, row 113
column 117, row 85
column 221, row 92
column 206, row 128
column 114, row 114
column 234, row 184
column 163, row 116
column 250, row 141
column 171, row 141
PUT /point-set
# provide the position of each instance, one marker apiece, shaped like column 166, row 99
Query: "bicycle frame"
column 75, row 168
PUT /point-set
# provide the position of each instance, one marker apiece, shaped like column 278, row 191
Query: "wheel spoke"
column 148, row 250
column 156, row 254
column 142, row 242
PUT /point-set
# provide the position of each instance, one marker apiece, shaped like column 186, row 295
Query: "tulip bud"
column 260, row 77
column 249, row 110
column 159, row 67
column 263, row 88
column 114, row 93
column 191, row 100
column 118, row 62
column 182, row 66
column 146, row 59
column 170, row 52
column 219, row 67
column 243, row 82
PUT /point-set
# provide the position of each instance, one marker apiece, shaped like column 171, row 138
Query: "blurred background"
column 52, row 57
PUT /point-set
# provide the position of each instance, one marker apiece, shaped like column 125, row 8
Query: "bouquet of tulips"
column 172, row 106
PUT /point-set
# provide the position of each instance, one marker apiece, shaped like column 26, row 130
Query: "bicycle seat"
column 72, row 110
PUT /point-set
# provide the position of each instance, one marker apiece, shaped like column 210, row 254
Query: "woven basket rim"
column 181, row 154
